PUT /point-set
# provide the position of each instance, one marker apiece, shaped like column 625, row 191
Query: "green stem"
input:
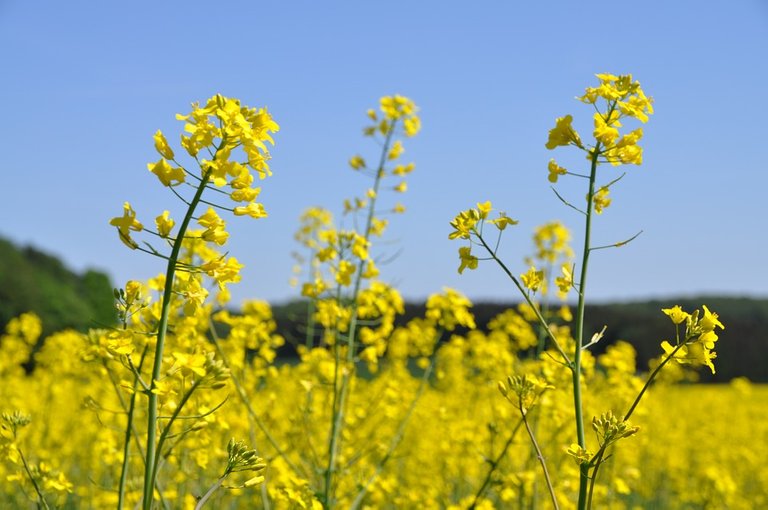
column 541, row 334
column 540, row 456
column 334, row 413
column 204, row 499
column 310, row 336
column 597, row 462
column 172, row 419
column 32, row 479
column 162, row 328
column 650, row 379
column 127, row 437
column 310, row 333
column 494, row 465
column 539, row 316
column 576, row 372
column 338, row 421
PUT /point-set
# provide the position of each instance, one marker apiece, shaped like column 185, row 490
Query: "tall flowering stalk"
column 227, row 141
column 615, row 99
column 354, row 263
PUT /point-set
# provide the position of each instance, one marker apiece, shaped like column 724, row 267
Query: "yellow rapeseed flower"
column 532, row 279
column 563, row 134
column 125, row 224
column 161, row 145
column 468, row 261
column 164, row 224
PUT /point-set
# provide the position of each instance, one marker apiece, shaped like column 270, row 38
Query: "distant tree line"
column 31, row 280
column 742, row 349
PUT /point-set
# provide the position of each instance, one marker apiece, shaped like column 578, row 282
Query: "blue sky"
column 86, row 84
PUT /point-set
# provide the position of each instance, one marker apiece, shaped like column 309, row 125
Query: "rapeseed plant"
column 217, row 130
column 616, row 99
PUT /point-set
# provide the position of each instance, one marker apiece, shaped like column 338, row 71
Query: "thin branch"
column 539, row 455
column 533, row 306
column 209, row 493
column 494, row 465
column 196, row 416
column 617, row 179
column 32, row 479
column 619, row 244
column 217, row 206
column 567, row 202
column 595, row 338
column 178, row 195
column 598, row 462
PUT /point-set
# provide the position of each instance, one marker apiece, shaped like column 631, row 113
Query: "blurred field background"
column 34, row 281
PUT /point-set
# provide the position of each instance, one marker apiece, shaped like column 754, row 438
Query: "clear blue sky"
column 86, row 84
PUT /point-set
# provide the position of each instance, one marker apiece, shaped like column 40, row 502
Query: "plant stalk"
column 338, row 419
column 576, row 368
column 149, row 473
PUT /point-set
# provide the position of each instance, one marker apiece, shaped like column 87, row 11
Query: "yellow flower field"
column 699, row 446
column 185, row 403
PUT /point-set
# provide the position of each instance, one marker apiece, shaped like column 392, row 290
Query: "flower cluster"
column 234, row 138
column 610, row 428
column 621, row 97
column 698, row 341
column 339, row 260
column 523, row 390
column 242, row 458
column 469, row 225
column 551, row 249
column 394, row 108
column 615, row 99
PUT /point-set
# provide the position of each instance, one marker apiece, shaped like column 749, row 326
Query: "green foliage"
column 31, row 280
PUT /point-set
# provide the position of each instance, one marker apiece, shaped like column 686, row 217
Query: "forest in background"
column 31, row 280
column 34, row 281
column 742, row 350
